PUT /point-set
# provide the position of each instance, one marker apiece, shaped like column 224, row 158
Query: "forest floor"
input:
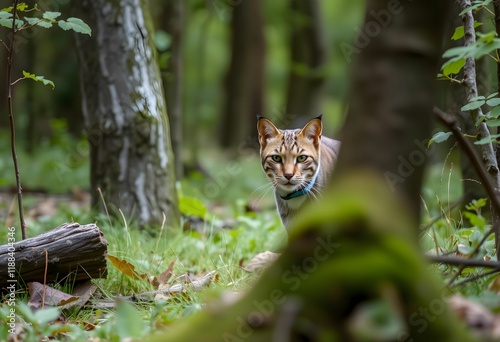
column 210, row 256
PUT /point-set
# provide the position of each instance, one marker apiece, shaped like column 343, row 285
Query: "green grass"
column 209, row 248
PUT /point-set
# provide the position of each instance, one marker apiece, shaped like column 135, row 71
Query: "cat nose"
column 288, row 175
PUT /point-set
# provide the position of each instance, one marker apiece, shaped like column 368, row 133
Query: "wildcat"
column 298, row 162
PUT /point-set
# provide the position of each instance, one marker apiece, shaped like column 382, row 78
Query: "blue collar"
column 303, row 191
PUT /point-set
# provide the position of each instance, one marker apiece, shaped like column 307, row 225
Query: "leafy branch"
column 10, row 18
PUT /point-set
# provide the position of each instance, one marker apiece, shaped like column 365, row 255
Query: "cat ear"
column 312, row 130
column 266, row 129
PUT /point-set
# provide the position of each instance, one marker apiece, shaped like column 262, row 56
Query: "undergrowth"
column 228, row 237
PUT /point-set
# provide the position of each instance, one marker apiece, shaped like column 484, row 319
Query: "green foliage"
column 36, row 78
column 476, row 6
column 439, row 137
column 47, row 20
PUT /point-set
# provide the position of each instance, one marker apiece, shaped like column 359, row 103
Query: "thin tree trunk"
column 124, row 108
column 306, row 84
column 488, row 152
column 244, row 82
column 172, row 22
column 354, row 255
column 456, row 98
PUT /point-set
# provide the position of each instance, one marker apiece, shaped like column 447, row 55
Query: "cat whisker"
column 259, row 199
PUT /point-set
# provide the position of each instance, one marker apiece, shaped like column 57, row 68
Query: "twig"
column 456, row 261
column 476, row 277
column 11, row 121
column 469, row 150
column 45, row 276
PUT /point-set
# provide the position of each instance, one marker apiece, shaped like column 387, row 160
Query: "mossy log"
column 70, row 251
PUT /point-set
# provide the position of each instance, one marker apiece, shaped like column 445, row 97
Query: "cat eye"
column 301, row 158
column 276, row 158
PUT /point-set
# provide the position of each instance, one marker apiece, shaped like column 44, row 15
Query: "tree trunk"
column 355, row 254
column 74, row 252
column 472, row 188
column 244, row 82
column 125, row 113
column 306, row 84
column 172, row 21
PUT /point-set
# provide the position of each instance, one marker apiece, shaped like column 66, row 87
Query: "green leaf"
column 129, row 323
column 472, row 105
column 6, row 20
column 495, row 112
column 491, row 95
column 192, row 207
column 487, row 140
column 22, row 6
column 459, row 31
column 475, row 220
column 47, row 315
column 486, row 37
column 76, row 25
column 493, row 123
column 38, row 79
column 51, row 15
column 476, row 204
column 493, row 102
column 38, row 22
column 453, row 66
column 439, row 137
column 476, row 98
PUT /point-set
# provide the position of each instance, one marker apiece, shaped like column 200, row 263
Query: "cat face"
column 290, row 158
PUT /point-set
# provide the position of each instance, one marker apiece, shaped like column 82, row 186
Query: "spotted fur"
column 298, row 163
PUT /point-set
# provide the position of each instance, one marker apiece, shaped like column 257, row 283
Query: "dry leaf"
column 161, row 296
column 167, row 274
column 83, row 291
column 53, row 297
column 126, row 268
column 494, row 286
column 196, row 283
column 261, row 260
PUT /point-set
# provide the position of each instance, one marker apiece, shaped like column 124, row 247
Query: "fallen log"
column 70, row 251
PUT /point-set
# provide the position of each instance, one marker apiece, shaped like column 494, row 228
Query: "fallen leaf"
column 126, row 268
column 494, row 286
column 167, row 274
column 83, row 291
column 261, row 261
column 196, row 283
column 160, row 297
column 53, row 297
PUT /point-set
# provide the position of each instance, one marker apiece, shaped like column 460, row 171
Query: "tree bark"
column 74, row 252
column 456, row 98
column 306, row 83
column 358, row 247
column 131, row 156
column 244, row 84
